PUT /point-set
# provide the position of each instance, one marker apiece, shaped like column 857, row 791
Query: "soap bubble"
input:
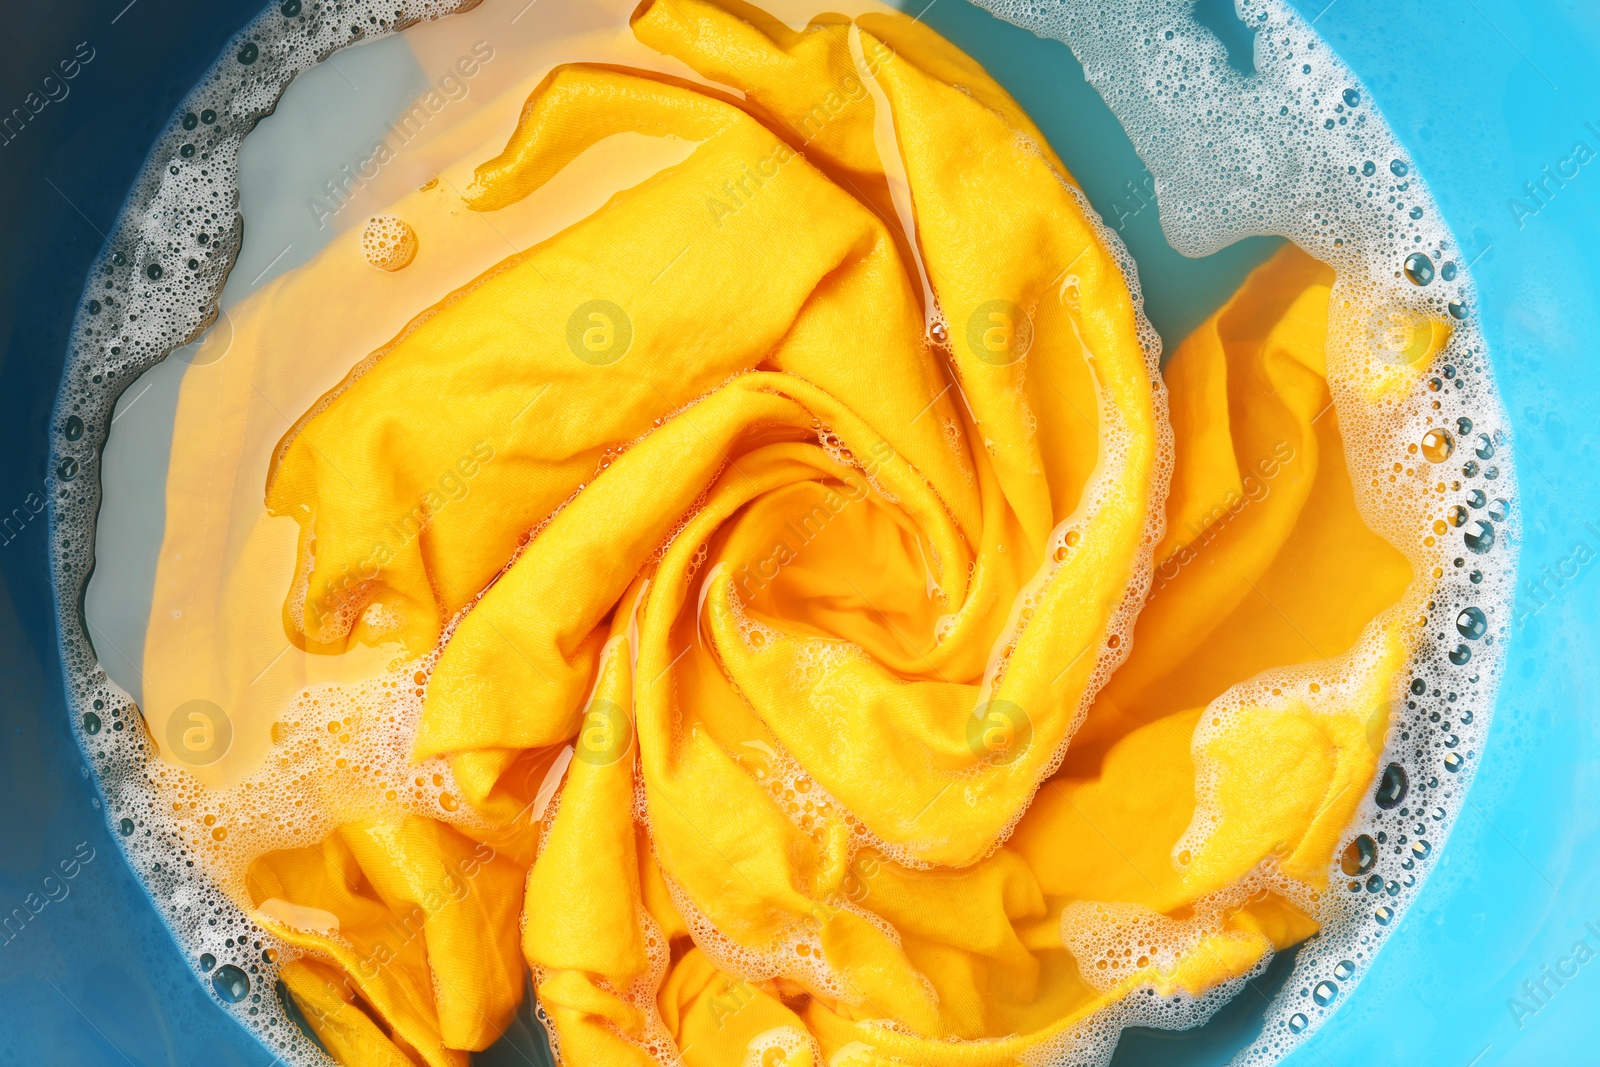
column 1392, row 786
column 1359, row 856
column 1437, row 444
column 1418, row 268
column 389, row 243
column 231, row 984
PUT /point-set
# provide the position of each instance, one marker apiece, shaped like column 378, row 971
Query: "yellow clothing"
column 823, row 496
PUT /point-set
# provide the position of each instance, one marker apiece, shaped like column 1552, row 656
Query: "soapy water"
column 1294, row 149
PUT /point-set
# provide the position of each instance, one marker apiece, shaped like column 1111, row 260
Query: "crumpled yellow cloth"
column 823, row 496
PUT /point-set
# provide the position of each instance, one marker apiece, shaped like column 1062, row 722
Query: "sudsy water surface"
column 1294, row 149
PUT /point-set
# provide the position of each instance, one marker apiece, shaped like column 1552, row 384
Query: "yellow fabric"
column 421, row 920
column 348, row 1033
column 808, row 588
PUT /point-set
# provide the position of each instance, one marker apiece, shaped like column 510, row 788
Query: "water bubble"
column 1416, row 212
column 67, row 469
column 126, row 826
column 1460, row 655
column 1500, row 510
column 1421, row 849
column 1491, row 473
column 1476, row 498
column 208, row 962
column 1359, row 856
column 1375, row 883
column 1448, row 270
column 1470, row 468
column 153, row 272
column 91, row 723
column 289, row 8
column 208, row 116
column 1369, row 168
column 1393, row 786
column 1384, row 916
column 1298, row 1022
column 1397, row 168
column 249, row 53
column 1453, row 762
column 1485, row 449
column 1418, row 686
column 1437, row 444
column 1325, row 993
column 231, row 984
column 1437, row 814
column 1351, row 98
column 1344, row 970
column 1419, row 268
column 1458, row 310
column 1457, row 515
column 1481, row 537
column 1471, row 623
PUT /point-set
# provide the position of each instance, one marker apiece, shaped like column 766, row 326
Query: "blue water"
column 1484, row 93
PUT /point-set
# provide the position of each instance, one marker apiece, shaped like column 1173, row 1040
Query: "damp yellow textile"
column 798, row 607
